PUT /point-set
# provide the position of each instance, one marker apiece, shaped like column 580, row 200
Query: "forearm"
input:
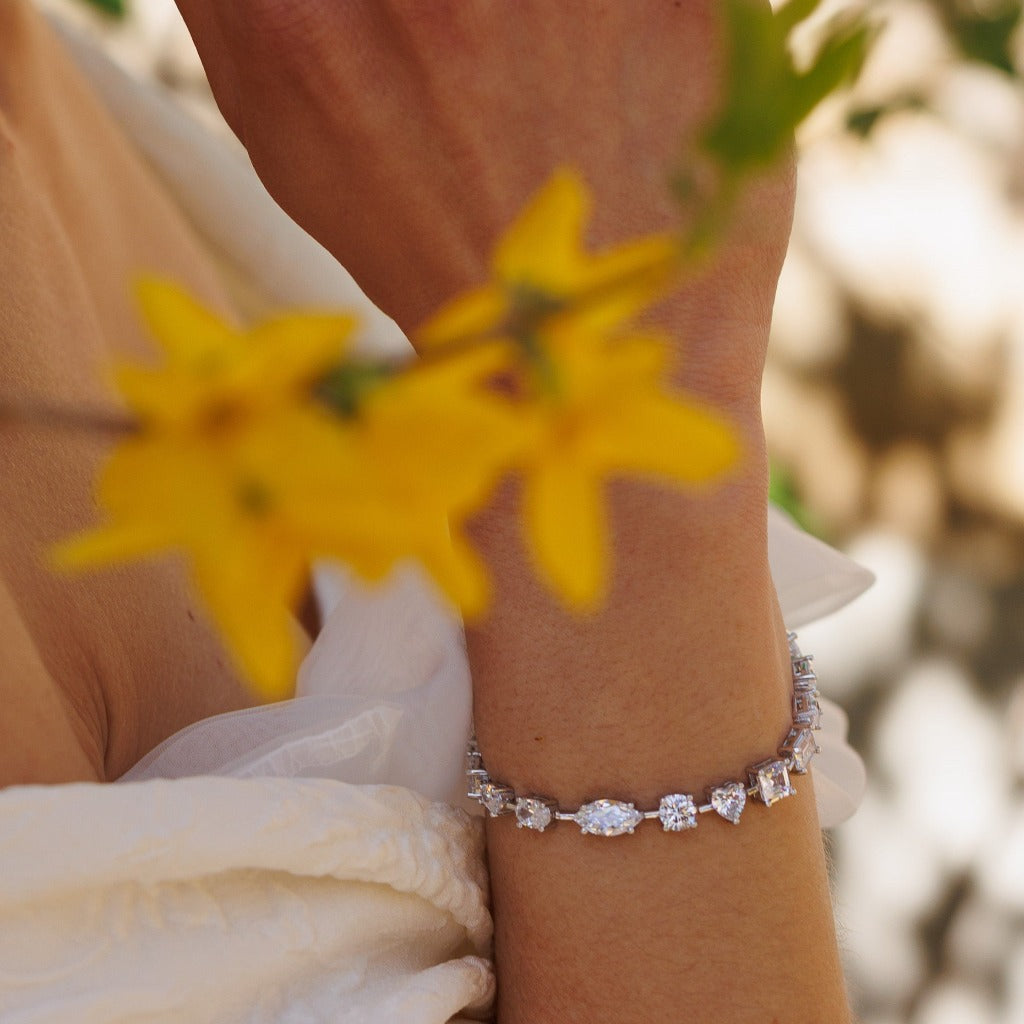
column 678, row 684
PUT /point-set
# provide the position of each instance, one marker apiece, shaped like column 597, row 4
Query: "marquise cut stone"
column 728, row 800
column 608, row 818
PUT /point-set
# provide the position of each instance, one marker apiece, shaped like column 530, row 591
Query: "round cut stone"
column 608, row 818
column 534, row 813
column 677, row 812
column 728, row 800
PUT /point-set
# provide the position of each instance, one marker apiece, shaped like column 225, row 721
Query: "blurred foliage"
column 984, row 36
column 783, row 493
column 111, row 8
column 765, row 98
column 766, row 95
column 862, row 121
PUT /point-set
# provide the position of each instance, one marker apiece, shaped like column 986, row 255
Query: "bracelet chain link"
column 767, row 781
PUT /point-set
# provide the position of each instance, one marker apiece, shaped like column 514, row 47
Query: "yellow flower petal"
column 187, row 331
column 461, row 575
column 543, row 248
column 663, row 436
column 620, row 282
column 108, row 545
column 477, row 313
column 296, row 348
column 567, row 531
column 249, row 591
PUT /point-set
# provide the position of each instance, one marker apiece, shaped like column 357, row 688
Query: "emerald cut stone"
column 806, row 710
column 476, row 778
column 803, row 666
column 772, row 781
column 800, row 746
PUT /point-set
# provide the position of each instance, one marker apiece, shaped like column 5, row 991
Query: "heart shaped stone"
column 729, row 800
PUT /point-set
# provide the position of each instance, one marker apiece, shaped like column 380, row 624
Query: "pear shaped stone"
column 728, row 800
column 495, row 797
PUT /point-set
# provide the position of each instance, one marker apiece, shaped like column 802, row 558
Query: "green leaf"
column 862, row 121
column 766, row 96
column 988, row 39
column 795, row 12
column 112, row 8
column 783, row 494
column 343, row 389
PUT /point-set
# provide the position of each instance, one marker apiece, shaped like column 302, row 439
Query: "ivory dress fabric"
column 311, row 861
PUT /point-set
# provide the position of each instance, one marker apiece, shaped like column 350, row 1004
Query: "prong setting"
column 768, row 781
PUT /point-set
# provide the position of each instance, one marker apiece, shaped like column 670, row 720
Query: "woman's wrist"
column 680, row 677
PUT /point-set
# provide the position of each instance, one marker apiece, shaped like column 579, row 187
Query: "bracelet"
column 767, row 781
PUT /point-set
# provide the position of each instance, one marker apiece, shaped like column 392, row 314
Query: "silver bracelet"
column 768, row 781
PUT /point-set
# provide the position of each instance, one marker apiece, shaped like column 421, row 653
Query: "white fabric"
column 294, row 886
column 212, row 901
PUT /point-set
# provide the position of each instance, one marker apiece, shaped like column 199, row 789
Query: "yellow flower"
column 236, row 466
column 213, row 369
column 611, row 416
column 542, row 271
column 595, row 403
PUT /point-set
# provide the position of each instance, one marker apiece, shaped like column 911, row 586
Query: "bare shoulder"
column 40, row 741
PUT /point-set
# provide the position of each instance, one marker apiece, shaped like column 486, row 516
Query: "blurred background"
column 894, row 404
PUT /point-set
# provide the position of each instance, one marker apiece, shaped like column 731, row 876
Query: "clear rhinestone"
column 495, row 797
column 534, row 812
column 806, row 710
column 608, row 818
column 677, row 812
column 728, row 800
column 477, row 777
column 772, row 781
column 803, row 666
column 794, row 648
column 800, row 746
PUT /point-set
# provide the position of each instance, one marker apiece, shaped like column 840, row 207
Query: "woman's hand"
column 406, row 134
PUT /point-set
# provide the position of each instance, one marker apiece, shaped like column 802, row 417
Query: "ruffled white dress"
column 310, row 861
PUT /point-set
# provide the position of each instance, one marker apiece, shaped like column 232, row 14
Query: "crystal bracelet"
column 767, row 781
